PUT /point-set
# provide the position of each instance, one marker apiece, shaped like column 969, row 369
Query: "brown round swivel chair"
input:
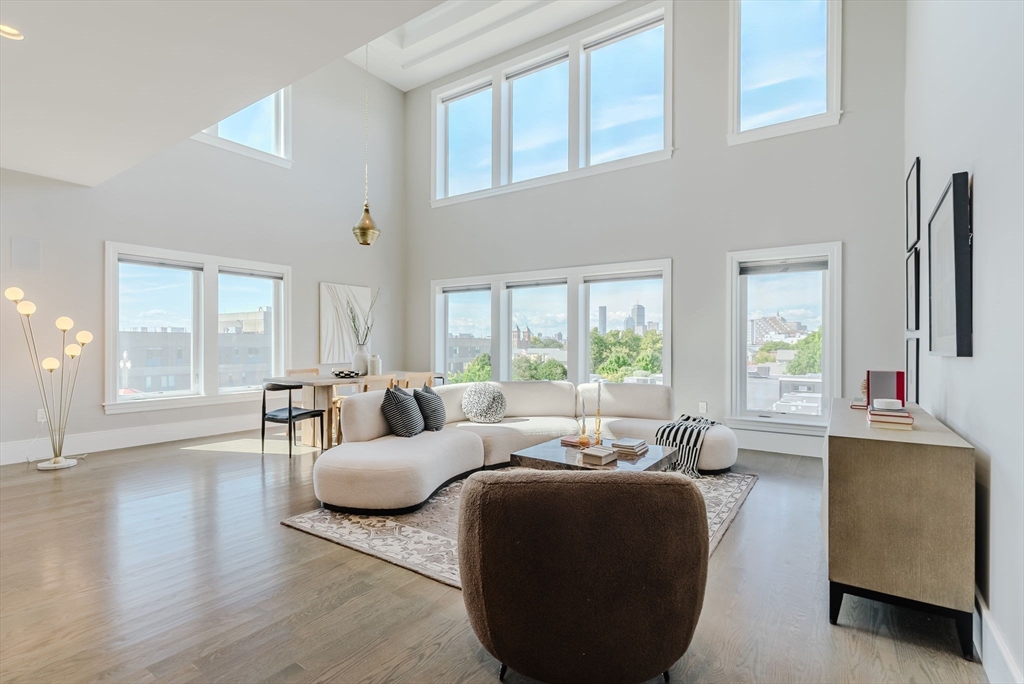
column 583, row 576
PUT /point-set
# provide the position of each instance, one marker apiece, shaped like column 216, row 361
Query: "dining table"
column 318, row 392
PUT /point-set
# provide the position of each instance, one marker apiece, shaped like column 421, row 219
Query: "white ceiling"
column 97, row 86
column 460, row 33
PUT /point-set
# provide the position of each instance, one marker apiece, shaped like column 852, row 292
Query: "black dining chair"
column 288, row 416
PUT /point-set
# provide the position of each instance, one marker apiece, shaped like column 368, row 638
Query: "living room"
column 696, row 233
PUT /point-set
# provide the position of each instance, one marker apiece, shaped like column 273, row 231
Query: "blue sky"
column 469, row 143
column 253, row 126
column 540, row 123
column 782, row 60
column 154, row 296
column 796, row 296
column 543, row 309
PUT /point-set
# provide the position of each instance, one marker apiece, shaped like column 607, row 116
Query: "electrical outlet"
column 702, row 407
column 40, row 416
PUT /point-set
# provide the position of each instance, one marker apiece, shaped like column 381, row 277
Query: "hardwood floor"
column 167, row 563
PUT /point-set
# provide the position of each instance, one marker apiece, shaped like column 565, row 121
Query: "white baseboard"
column 779, row 442
column 91, row 442
column 991, row 647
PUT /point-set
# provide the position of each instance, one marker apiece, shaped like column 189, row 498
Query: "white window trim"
column 577, row 312
column 832, row 359
column 205, row 346
column 834, row 72
column 579, row 138
column 283, row 135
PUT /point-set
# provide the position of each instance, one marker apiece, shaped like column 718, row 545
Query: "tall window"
column 786, row 65
column 155, row 329
column 262, row 127
column 568, row 109
column 626, row 329
column 246, row 321
column 467, row 335
column 540, row 121
column 184, row 328
column 539, row 332
column 627, row 94
column 785, row 333
column 468, row 141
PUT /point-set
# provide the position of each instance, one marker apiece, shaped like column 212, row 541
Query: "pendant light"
column 366, row 230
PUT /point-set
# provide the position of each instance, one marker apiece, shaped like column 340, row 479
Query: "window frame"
column 738, row 415
column 577, row 308
column 833, row 75
column 282, row 134
column 204, row 336
column 579, row 134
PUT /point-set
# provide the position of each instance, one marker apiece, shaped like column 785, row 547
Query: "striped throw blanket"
column 685, row 433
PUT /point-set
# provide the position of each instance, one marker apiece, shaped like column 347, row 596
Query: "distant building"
column 559, row 337
column 638, row 314
column 629, row 323
column 602, row 319
column 259, row 321
column 653, row 325
column 774, row 329
column 521, row 338
column 462, row 349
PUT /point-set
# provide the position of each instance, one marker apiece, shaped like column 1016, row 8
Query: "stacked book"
column 890, row 419
column 571, row 441
column 598, row 455
column 630, row 448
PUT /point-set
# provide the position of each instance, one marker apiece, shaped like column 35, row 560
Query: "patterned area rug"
column 425, row 541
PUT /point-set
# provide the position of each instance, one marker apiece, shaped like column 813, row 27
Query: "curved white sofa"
column 375, row 470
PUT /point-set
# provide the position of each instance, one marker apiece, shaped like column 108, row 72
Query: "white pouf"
column 718, row 451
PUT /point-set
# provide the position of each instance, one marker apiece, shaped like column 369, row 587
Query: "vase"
column 376, row 365
column 361, row 360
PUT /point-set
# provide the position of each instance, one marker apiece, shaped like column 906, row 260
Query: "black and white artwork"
column 949, row 271
column 913, row 204
column 913, row 361
column 913, row 278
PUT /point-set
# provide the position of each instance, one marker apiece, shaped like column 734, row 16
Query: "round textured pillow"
column 483, row 403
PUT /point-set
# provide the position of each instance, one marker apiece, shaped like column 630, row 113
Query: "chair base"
column 502, row 671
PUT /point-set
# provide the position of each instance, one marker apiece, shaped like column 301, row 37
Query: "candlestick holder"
column 597, row 427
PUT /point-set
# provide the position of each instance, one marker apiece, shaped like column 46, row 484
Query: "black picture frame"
column 913, row 268
column 950, row 295
column 913, row 367
column 913, row 204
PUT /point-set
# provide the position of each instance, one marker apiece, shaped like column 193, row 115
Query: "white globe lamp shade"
column 64, row 324
column 14, row 294
column 50, row 364
column 83, row 337
column 26, row 308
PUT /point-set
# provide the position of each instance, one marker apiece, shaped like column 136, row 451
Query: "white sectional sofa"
column 375, row 470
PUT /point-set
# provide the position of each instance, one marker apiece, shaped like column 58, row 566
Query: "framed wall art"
column 913, row 204
column 950, row 313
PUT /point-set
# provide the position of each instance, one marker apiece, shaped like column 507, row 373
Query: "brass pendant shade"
column 366, row 230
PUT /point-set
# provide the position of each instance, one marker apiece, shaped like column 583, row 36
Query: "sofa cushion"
column 431, row 407
column 361, row 417
column 483, row 402
column 392, row 472
column 627, row 400
column 539, row 398
column 402, row 412
column 512, row 434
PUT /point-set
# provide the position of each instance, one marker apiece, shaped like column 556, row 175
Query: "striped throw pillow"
column 432, row 408
column 402, row 413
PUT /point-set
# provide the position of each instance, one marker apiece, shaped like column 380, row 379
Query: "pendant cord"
column 366, row 130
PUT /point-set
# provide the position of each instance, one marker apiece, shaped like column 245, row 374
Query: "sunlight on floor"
column 276, row 444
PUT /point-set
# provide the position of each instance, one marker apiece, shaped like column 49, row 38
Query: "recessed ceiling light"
column 12, row 33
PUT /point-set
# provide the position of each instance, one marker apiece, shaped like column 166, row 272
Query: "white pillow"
column 483, row 403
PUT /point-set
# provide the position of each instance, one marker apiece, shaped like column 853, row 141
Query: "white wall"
column 200, row 198
column 965, row 112
column 840, row 183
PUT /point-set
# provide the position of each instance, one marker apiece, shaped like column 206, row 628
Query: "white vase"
column 376, row 365
column 361, row 360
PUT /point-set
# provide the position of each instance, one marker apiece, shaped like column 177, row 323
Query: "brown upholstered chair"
column 573, row 576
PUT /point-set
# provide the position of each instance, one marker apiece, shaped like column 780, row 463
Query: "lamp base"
column 57, row 463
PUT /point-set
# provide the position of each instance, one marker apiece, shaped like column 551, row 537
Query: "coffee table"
column 551, row 455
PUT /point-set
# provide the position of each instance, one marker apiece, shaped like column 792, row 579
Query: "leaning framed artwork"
column 913, row 204
column 912, row 368
column 950, row 313
column 913, row 301
column 337, row 339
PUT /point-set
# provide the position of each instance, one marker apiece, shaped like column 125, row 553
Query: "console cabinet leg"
column 965, row 631
column 835, row 602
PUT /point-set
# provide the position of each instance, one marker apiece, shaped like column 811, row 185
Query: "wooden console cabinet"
column 898, row 515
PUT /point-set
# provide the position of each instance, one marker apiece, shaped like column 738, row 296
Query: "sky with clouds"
column 794, row 296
